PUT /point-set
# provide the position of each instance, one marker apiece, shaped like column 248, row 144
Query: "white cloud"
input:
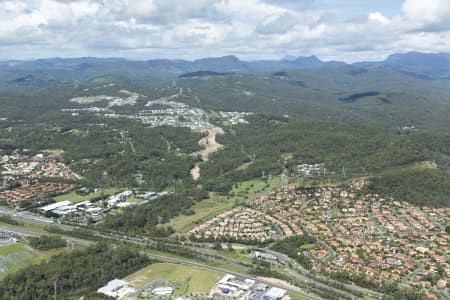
column 194, row 28
column 430, row 14
column 378, row 17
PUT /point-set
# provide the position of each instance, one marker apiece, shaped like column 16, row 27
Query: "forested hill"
column 69, row 276
column 378, row 97
column 366, row 120
column 271, row 144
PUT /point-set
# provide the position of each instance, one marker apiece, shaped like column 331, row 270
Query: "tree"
column 217, row 245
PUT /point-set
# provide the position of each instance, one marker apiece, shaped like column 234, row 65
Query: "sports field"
column 189, row 280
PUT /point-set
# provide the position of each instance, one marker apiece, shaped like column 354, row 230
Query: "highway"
column 26, row 215
column 304, row 275
column 24, row 232
column 298, row 292
column 297, row 272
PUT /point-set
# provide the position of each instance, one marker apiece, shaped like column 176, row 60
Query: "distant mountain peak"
column 227, row 58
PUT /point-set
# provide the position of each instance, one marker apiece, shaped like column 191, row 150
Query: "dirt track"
column 209, row 145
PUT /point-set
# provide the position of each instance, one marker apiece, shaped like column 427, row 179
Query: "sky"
column 347, row 30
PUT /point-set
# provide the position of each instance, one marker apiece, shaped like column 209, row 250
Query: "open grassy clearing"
column 135, row 200
column 244, row 166
column 53, row 151
column 253, row 188
column 204, row 210
column 214, row 115
column 296, row 297
column 75, row 198
column 189, row 280
column 217, row 204
column 238, row 254
column 209, row 263
column 14, row 257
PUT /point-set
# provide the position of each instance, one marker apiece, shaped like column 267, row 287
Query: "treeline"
column 422, row 187
column 9, row 220
column 145, row 218
column 292, row 247
column 47, row 242
column 77, row 232
column 70, row 276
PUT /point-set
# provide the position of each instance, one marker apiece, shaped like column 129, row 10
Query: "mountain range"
column 44, row 72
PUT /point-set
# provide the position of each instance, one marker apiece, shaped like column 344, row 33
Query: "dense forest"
column 293, row 246
column 271, row 144
column 427, row 187
column 72, row 275
column 123, row 153
column 113, row 153
column 47, row 242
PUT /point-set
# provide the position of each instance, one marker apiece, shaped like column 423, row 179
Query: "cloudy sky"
column 350, row 30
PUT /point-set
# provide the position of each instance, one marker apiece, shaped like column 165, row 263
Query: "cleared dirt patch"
column 210, row 145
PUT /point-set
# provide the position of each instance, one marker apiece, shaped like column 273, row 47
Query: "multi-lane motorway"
column 294, row 270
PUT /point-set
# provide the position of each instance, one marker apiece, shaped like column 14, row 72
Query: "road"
column 24, row 232
column 172, row 260
column 26, row 215
column 298, row 273
column 304, row 275
column 19, row 231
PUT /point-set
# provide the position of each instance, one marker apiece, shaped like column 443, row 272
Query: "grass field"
column 135, row 200
column 214, row 115
column 14, row 257
column 53, row 151
column 296, row 297
column 75, row 198
column 188, row 280
column 253, row 188
column 204, row 210
column 45, row 255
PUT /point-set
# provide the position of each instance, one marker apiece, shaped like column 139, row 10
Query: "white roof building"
column 275, row 294
column 163, row 291
column 64, row 210
column 55, row 205
column 116, row 288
